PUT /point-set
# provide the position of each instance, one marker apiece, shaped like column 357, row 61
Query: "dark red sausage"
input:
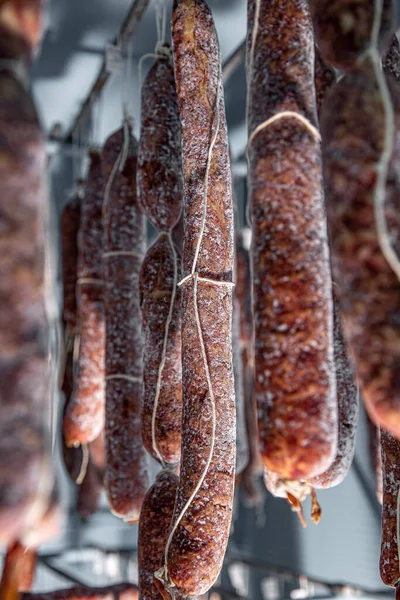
column 126, row 478
column 84, row 417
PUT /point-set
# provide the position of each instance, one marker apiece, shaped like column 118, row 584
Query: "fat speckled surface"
column 159, row 160
column 84, row 417
column 126, row 477
column 294, row 370
column 368, row 290
column 24, row 372
column 198, row 546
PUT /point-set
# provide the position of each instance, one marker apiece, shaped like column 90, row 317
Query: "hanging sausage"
column 197, row 541
column 25, row 475
column 126, row 477
column 294, row 368
column 160, row 195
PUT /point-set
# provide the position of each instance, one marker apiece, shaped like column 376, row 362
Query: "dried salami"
column 162, row 377
column 390, row 555
column 160, row 195
column 25, row 473
column 159, row 177
column 154, row 525
column 198, row 538
column 347, row 399
column 361, row 182
column 197, row 541
column 84, row 418
column 294, row 369
column 126, row 476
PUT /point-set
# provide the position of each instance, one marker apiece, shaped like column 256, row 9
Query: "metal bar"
column 233, row 62
column 122, row 39
column 64, row 145
column 335, row 587
column 61, row 572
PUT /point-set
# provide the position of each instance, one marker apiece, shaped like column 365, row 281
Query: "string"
column 124, row 83
column 90, row 134
column 160, row 48
column 83, row 280
column 97, row 120
column 75, row 355
column 80, row 162
column 205, row 280
column 125, row 145
column 205, row 195
column 84, row 464
column 382, row 167
column 161, row 20
column 123, row 376
column 162, row 574
column 283, row 115
column 164, row 351
column 126, row 86
column 249, row 78
column 250, row 61
column 121, row 253
column 109, row 183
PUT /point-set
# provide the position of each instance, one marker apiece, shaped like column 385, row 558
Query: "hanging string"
column 382, row 168
column 285, row 114
column 164, row 350
column 160, row 49
column 96, row 121
column 162, row 573
column 120, row 160
column 81, row 151
column 205, row 194
column 158, row 11
column 125, row 145
column 250, row 58
column 249, row 79
column 127, row 80
column 161, row 20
